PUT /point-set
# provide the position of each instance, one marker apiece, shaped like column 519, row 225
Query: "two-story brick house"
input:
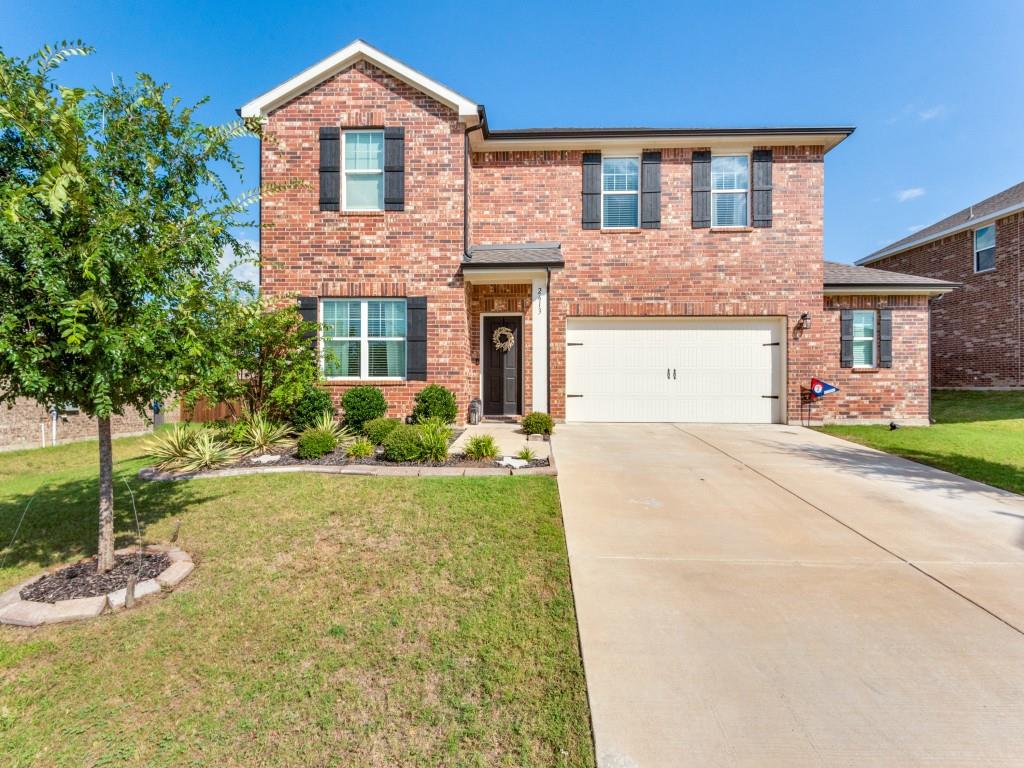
column 976, row 331
column 598, row 274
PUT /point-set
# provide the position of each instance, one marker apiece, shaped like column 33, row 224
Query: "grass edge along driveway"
column 330, row 621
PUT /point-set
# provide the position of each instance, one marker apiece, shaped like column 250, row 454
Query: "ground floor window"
column 864, row 339
column 363, row 338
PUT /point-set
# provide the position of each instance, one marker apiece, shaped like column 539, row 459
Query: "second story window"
column 730, row 186
column 985, row 248
column 620, row 192
column 363, row 171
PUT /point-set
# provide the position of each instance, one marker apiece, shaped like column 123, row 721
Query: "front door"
column 502, row 364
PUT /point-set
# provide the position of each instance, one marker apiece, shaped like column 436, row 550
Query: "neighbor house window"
column 985, row 248
column 363, row 338
column 730, row 185
column 620, row 192
column 864, row 339
column 363, row 171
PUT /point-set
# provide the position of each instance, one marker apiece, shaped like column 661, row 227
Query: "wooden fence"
column 203, row 411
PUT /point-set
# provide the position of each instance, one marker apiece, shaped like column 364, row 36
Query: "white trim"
column 975, row 251
column 364, row 338
column 854, row 290
column 972, row 224
column 827, row 141
column 510, row 275
column 539, row 308
column 360, row 171
column 638, row 156
column 339, row 60
column 522, row 357
column 746, row 191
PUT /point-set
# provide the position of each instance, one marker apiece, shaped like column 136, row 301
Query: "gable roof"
column 359, row 50
column 988, row 210
column 844, row 277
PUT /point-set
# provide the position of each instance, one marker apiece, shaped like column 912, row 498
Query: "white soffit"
column 336, row 62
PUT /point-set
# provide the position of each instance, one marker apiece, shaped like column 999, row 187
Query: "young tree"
column 114, row 221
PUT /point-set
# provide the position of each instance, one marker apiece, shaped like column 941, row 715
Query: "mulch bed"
column 338, row 458
column 81, row 579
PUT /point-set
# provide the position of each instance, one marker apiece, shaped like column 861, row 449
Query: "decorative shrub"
column 206, row 452
column 314, row 401
column 538, row 423
column 403, row 443
column 435, row 401
column 360, row 448
column 378, row 429
column 260, row 434
column 314, row 443
column 325, row 421
column 526, row 454
column 481, row 447
column 435, row 435
column 172, row 447
column 361, row 404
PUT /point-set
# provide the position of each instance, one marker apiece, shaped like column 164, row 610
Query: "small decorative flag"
column 821, row 388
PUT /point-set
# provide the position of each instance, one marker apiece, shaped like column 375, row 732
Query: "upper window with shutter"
column 620, row 192
column 985, row 248
column 362, row 186
column 364, row 338
column 730, row 188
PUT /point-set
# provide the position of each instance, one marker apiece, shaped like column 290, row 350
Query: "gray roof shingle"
column 1007, row 199
column 837, row 275
column 515, row 255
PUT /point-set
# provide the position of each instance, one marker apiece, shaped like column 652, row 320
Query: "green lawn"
column 979, row 435
column 331, row 621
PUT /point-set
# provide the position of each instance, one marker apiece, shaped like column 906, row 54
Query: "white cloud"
column 910, row 193
column 246, row 271
column 932, row 113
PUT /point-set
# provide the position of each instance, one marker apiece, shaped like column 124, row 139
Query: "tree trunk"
column 105, row 557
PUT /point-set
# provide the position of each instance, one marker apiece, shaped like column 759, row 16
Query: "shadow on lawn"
column 63, row 521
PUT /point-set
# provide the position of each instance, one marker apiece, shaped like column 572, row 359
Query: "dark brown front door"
column 502, row 369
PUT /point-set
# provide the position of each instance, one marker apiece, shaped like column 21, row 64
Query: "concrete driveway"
column 771, row 596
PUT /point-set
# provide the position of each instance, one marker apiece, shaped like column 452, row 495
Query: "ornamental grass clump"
column 326, row 423
column 435, row 436
column 481, row 447
column 261, row 434
column 207, row 452
column 171, row 448
column 315, row 442
column 526, row 454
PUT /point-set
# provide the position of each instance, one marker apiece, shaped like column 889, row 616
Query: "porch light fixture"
column 805, row 321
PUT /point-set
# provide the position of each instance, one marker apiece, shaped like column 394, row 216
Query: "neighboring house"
column 976, row 331
column 635, row 274
column 29, row 425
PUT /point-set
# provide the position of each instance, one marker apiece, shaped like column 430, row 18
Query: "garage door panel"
column 673, row 369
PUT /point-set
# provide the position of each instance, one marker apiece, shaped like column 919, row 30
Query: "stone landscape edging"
column 31, row 613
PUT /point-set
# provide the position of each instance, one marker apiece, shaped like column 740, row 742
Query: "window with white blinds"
column 364, row 338
column 864, row 339
column 730, row 188
column 620, row 192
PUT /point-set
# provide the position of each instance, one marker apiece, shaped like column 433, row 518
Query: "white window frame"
column 873, row 338
column 639, row 185
column 345, row 172
column 746, row 191
column 974, row 234
column 364, row 339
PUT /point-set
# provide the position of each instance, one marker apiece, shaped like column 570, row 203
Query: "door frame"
column 522, row 358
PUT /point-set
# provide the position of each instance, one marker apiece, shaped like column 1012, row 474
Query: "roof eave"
column 516, row 265
column 887, row 289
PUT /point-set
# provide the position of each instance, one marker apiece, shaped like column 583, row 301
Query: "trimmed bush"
column 435, row 435
column 538, row 423
column 378, row 429
column 314, row 443
column 362, row 404
column 360, row 448
column 403, row 444
column 435, row 401
column 314, row 401
column 481, row 447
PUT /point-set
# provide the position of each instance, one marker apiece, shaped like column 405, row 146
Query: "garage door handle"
column 770, row 397
column 668, row 373
column 673, row 374
column 574, row 395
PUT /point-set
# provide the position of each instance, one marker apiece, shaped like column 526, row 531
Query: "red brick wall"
column 676, row 270
column 899, row 393
column 976, row 329
column 415, row 252
column 20, row 425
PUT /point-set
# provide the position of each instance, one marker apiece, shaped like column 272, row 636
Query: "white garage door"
column 674, row 369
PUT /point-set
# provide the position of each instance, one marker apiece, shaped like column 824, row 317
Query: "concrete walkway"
column 771, row 596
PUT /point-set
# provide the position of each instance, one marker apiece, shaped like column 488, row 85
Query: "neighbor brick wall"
column 976, row 329
column 20, row 425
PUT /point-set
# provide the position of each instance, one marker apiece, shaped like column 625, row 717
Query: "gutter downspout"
column 548, row 336
column 465, row 184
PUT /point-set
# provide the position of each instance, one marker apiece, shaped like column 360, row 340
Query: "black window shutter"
column 650, row 191
column 591, row 190
column 394, row 169
column 761, row 188
column 701, row 189
column 885, row 338
column 330, row 169
column 846, row 338
column 416, row 338
column 307, row 309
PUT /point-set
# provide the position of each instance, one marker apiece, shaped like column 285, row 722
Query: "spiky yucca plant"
column 171, row 448
column 207, row 452
column 326, row 423
column 261, row 434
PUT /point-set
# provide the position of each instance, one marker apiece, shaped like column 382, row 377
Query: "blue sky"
column 933, row 88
